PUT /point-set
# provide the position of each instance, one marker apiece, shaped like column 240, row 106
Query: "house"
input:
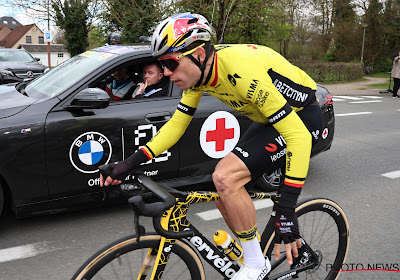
column 58, row 53
column 10, row 22
column 23, row 34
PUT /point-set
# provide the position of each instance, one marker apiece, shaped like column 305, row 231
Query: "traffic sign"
column 47, row 36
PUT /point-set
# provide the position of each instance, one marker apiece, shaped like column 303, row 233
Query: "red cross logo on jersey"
column 220, row 135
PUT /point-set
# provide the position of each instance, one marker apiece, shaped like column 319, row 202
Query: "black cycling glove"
column 286, row 225
column 119, row 170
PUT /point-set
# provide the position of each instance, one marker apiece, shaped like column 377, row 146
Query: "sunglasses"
column 172, row 62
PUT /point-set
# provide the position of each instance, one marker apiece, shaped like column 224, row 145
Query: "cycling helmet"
column 177, row 32
column 115, row 38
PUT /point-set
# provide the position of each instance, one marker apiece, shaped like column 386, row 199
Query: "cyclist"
column 258, row 82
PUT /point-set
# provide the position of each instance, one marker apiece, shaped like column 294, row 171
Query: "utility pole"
column 48, row 28
column 362, row 48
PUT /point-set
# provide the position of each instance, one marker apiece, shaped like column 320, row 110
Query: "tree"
column 346, row 31
column 323, row 10
column 71, row 17
column 134, row 18
column 374, row 37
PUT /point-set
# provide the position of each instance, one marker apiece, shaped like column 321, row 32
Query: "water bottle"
column 229, row 246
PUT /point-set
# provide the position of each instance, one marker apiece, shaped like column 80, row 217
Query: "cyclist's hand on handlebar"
column 286, row 230
column 114, row 172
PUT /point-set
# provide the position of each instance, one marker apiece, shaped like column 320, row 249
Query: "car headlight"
column 6, row 73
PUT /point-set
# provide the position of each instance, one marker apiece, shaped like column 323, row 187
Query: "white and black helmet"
column 179, row 31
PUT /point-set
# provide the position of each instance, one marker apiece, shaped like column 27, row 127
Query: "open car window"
column 134, row 70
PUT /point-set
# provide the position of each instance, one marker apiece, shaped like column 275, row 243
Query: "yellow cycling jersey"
column 258, row 82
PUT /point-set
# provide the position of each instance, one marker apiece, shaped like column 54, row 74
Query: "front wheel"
column 324, row 227
column 124, row 259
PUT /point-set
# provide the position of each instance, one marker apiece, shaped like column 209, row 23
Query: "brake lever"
column 105, row 194
column 139, row 229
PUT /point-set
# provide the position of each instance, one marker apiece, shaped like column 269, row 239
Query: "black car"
column 56, row 131
column 17, row 65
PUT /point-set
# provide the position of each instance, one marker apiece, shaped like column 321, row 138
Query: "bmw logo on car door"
column 89, row 151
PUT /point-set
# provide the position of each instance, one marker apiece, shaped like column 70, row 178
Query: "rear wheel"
column 324, row 227
column 123, row 259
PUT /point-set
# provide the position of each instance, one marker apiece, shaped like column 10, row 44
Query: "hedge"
column 322, row 71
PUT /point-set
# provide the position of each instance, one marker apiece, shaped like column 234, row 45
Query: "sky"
column 20, row 15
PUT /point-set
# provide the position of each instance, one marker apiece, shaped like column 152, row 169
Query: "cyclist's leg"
column 230, row 176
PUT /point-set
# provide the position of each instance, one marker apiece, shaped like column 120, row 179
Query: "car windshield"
column 15, row 56
column 66, row 75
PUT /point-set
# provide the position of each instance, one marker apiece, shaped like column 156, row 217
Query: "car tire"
column 270, row 182
column 1, row 199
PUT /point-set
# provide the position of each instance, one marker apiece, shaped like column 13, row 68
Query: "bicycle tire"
column 315, row 215
column 115, row 261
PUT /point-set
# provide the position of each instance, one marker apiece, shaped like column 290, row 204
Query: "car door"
column 111, row 134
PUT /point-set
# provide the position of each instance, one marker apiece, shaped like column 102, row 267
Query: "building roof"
column 39, row 48
column 15, row 35
column 10, row 22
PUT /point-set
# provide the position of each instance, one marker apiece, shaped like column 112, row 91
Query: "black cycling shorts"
column 263, row 149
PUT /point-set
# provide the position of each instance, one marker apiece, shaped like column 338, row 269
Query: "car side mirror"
column 37, row 58
column 90, row 98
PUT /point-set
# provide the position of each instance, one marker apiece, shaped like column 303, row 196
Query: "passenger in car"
column 155, row 84
column 122, row 86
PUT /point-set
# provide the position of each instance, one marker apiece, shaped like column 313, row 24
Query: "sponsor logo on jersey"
column 296, row 94
column 290, row 92
column 90, row 150
column 278, row 155
column 252, row 89
column 233, row 78
column 244, row 153
column 289, row 159
column 271, row 147
column 219, row 134
column 261, row 98
column 234, row 104
column 277, row 117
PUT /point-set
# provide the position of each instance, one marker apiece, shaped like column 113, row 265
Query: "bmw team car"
column 56, row 130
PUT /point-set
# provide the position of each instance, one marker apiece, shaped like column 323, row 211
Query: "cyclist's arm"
column 173, row 130
column 297, row 137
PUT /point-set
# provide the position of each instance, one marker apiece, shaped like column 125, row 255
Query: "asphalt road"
column 361, row 172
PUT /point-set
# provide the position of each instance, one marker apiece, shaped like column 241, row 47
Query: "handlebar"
column 153, row 209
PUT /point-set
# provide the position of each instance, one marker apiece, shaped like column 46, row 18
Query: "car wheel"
column 1, row 199
column 270, row 182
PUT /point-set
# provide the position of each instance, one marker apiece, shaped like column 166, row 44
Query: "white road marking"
column 353, row 114
column 392, row 175
column 25, row 251
column 215, row 214
column 366, row 101
column 371, row 96
column 348, row 97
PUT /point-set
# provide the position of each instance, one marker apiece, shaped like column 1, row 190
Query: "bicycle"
column 177, row 247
